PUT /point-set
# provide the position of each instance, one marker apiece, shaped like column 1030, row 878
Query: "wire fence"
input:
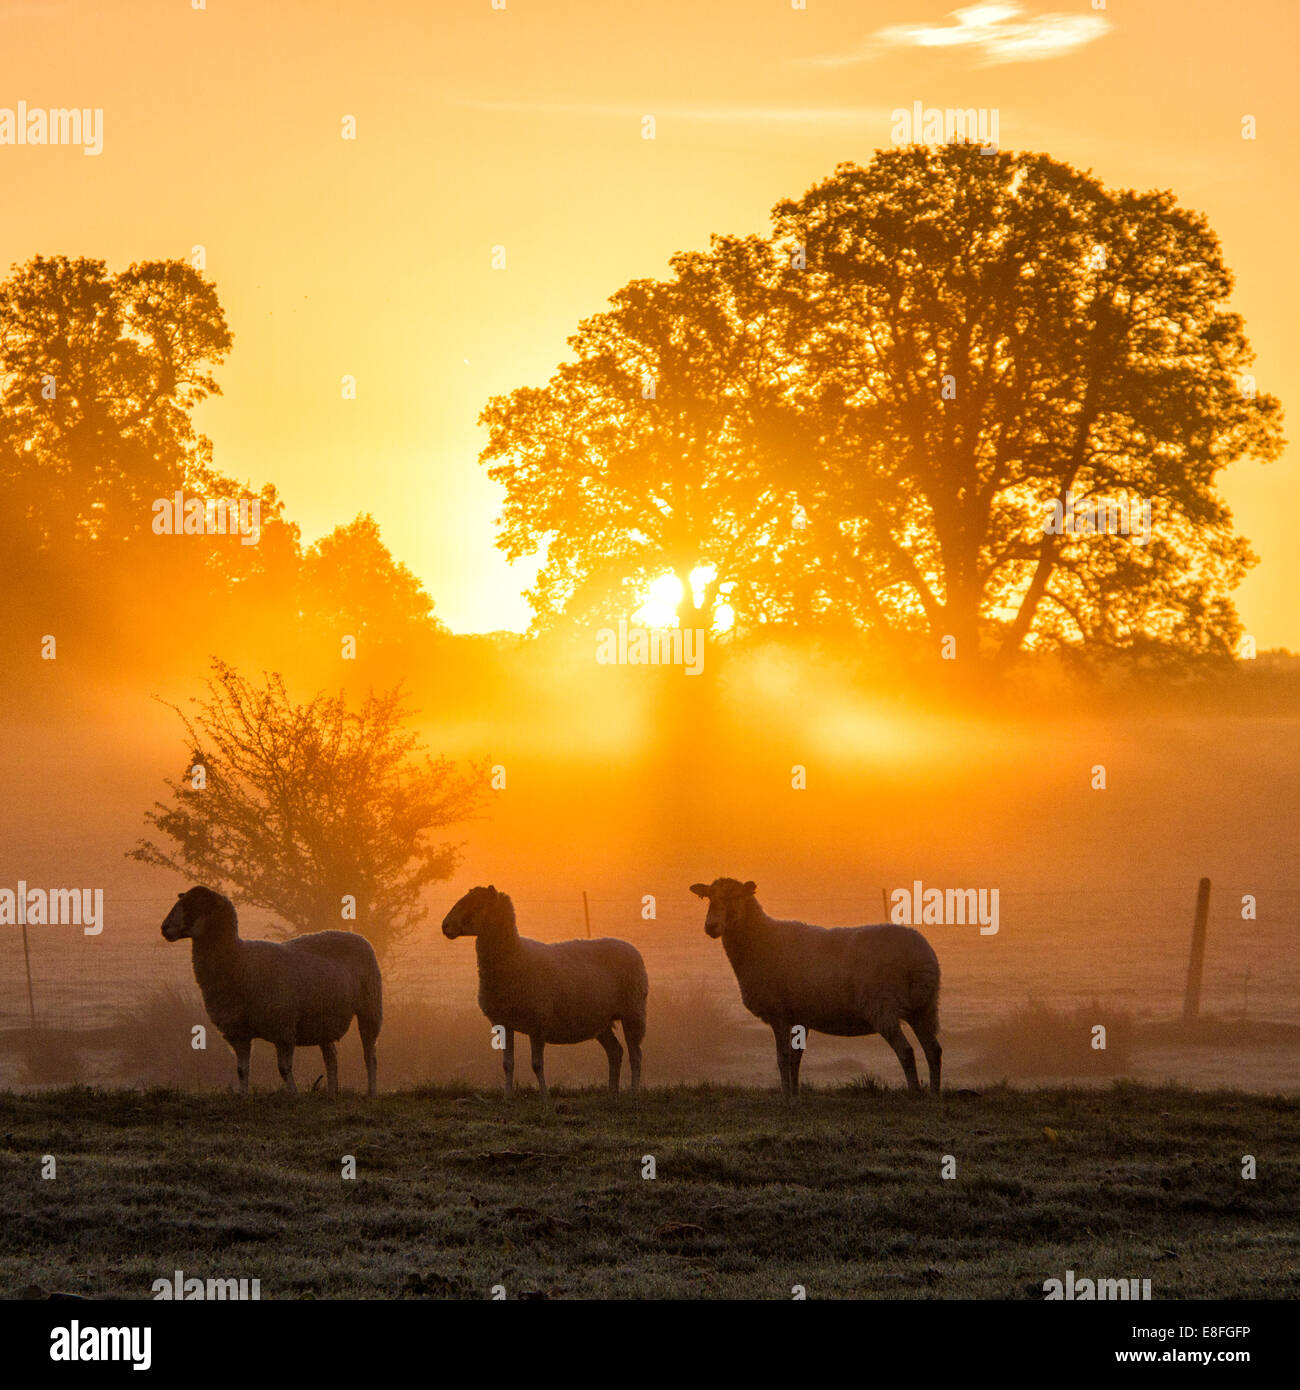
column 1057, row 946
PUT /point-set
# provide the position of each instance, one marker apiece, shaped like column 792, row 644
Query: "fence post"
column 586, row 911
column 27, row 958
column 1196, row 961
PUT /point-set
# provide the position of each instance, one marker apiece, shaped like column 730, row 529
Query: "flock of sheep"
column 846, row 981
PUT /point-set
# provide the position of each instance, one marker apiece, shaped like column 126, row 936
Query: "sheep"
column 300, row 993
column 847, row 981
column 568, row 992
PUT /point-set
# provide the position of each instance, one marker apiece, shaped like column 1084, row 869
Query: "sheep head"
column 730, row 903
column 476, row 913
column 200, row 912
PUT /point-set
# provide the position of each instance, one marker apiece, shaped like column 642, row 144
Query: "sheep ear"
column 492, row 888
column 701, row 890
column 750, row 886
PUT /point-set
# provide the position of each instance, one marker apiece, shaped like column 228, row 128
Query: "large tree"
column 301, row 806
column 928, row 353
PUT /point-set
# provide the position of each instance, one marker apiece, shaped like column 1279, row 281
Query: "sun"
column 659, row 608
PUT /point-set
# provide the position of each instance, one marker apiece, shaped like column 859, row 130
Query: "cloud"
column 998, row 33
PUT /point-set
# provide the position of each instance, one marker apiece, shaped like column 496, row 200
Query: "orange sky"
column 522, row 127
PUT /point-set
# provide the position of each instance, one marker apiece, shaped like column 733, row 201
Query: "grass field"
column 456, row 1192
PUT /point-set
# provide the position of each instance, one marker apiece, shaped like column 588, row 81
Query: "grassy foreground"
column 456, row 1192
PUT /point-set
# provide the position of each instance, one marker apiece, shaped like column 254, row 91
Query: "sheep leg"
column 893, row 1035
column 243, row 1050
column 508, row 1062
column 368, row 1048
column 284, row 1060
column 614, row 1051
column 632, row 1036
column 796, row 1058
column 539, row 1046
column 782, row 1035
column 331, row 1055
column 933, row 1054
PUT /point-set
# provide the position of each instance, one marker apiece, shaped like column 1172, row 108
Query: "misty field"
column 455, row 1192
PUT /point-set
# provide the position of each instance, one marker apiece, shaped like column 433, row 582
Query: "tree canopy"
column 873, row 413
column 351, row 583
column 98, row 376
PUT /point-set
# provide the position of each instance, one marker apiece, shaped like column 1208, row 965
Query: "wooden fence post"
column 27, row 958
column 1196, row 961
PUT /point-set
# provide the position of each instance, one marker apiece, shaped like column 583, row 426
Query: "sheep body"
column 844, row 981
column 830, row 978
column 305, row 991
column 561, row 992
column 565, row 992
column 299, row 993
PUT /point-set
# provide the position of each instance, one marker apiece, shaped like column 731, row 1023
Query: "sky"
column 521, row 127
